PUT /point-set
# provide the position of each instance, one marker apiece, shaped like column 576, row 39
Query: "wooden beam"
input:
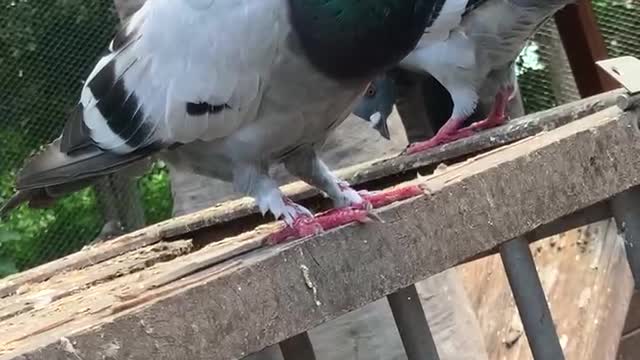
column 584, row 45
column 223, row 220
column 209, row 304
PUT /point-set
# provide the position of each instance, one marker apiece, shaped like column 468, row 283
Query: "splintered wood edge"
column 513, row 131
column 265, row 296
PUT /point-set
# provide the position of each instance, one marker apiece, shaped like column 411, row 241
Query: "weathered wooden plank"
column 89, row 256
column 66, row 283
column 265, row 296
column 587, row 283
column 361, row 174
column 369, row 333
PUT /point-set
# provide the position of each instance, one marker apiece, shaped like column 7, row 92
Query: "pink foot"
column 451, row 131
column 362, row 212
column 439, row 139
column 303, row 226
column 379, row 199
column 497, row 116
column 446, row 134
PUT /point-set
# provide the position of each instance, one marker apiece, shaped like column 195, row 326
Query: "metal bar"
column 626, row 210
column 298, row 347
column 627, row 102
column 530, row 300
column 412, row 324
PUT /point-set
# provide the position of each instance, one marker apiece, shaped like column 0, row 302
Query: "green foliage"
column 535, row 97
column 620, row 25
column 156, row 194
column 7, row 262
column 31, row 237
column 46, row 50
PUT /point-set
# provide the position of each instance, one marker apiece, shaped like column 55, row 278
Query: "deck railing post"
column 412, row 324
column 530, row 300
column 626, row 211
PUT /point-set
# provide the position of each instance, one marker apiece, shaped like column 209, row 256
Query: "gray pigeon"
column 478, row 54
column 229, row 88
column 376, row 104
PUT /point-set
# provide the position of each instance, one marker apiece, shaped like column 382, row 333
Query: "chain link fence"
column 47, row 48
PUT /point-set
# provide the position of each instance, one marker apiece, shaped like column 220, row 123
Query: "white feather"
column 489, row 38
column 192, row 38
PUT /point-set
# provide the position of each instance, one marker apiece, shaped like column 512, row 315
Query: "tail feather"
column 52, row 174
column 18, row 198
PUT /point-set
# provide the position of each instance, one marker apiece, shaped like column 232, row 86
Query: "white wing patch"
column 190, row 51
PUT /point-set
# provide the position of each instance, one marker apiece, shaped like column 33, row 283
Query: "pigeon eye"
column 371, row 90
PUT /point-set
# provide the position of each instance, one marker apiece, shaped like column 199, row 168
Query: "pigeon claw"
column 363, row 212
column 497, row 116
column 305, row 225
column 383, row 198
column 334, row 218
column 450, row 132
column 440, row 138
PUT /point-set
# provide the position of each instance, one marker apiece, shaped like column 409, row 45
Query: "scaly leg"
column 255, row 181
column 464, row 102
column 497, row 116
column 446, row 134
column 361, row 212
column 351, row 206
column 451, row 130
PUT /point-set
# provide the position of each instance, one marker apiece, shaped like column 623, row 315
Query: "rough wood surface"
column 587, row 283
column 261, row 297
column 369, row 333
column 360, row 174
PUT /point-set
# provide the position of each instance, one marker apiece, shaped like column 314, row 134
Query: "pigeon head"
column 376, row 104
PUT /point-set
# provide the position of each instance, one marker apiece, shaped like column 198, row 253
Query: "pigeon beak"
column 380, row 125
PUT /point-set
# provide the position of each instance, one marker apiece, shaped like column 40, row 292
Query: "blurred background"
column 47, row 49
